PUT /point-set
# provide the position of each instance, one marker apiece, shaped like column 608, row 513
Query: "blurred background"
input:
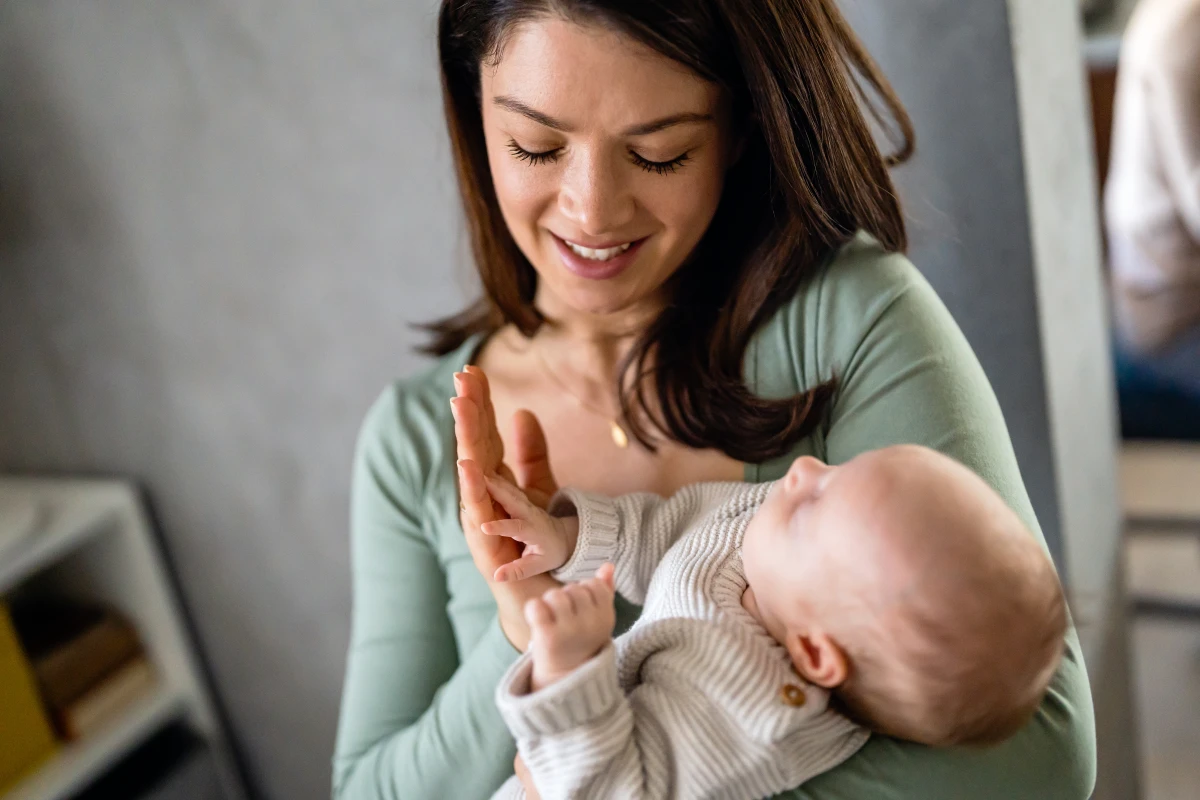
column 219, row 220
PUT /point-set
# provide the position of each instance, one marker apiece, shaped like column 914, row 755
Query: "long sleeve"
column 907, row 374
column 633, row 531
column 704, row 723
column 418, row 717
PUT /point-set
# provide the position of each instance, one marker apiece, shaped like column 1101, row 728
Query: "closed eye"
column 660, row 167
column 550, row 156
column 521, row 154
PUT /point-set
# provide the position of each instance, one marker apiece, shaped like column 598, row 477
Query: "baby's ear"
column 818, row 658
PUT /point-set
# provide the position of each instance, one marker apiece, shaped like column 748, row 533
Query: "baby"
column 897, row 588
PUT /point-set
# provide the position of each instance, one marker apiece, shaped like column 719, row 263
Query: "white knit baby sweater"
column 688, row 703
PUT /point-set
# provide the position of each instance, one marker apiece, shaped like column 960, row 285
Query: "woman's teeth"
column 599, row 255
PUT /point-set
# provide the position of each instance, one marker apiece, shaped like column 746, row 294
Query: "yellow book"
column 25, row 736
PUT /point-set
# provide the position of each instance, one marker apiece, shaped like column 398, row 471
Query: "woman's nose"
column 594, row 197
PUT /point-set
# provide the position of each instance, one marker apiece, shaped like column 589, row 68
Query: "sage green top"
column 418, row 718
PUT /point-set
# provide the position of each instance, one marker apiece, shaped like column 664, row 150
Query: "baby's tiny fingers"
column 598, row 593
column 513, row 499
column 561, row 601
column 524, row 567
column 512, row 528
column 537, row 612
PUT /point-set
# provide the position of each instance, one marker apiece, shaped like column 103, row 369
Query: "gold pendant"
column 619, row 437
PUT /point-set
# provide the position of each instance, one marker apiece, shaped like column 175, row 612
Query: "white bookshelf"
column 91, row 539
column 79, row 763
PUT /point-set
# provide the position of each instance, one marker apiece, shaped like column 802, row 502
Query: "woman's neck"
column 589, row 346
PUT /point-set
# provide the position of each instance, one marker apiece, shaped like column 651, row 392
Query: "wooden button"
column 792, row 695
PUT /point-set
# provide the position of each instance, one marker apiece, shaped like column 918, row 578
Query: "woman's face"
column 608, row 161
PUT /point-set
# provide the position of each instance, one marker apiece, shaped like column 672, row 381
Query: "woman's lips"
column 597, row 270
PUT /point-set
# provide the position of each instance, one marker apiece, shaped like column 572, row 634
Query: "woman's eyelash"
column 550, row 156
column 522, row 154
column 660, row 167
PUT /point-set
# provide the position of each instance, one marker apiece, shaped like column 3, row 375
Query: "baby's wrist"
column 541, row 678
column 568, row 530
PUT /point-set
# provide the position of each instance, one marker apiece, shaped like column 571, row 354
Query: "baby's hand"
column 570, row 625
column 549, row 541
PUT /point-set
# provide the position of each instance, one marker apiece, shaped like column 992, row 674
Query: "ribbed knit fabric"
column 688, row 702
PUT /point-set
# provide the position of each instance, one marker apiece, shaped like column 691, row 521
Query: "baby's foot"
column 570, row 625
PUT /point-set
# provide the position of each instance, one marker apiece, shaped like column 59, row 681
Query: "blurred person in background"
column 1152, row 210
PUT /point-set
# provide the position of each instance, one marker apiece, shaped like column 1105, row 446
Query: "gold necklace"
column 619, row 436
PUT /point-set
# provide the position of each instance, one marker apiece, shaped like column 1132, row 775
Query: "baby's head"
column 904, row 583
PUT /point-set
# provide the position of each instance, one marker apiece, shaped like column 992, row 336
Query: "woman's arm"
column 907, row 374
column 418, row 718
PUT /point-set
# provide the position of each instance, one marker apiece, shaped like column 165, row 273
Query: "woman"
column 688, row 242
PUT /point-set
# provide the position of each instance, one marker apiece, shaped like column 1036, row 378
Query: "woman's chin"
column 595, row 300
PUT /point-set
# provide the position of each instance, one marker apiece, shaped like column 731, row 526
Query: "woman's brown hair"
column 809, row 177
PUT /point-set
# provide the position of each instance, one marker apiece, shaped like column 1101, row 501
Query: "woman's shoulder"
column 856, row 291
column 861, row 275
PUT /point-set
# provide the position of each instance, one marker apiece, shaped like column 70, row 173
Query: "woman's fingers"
column 483, row 386
column 526, row 779
column 475, row 429
column 532, row 459
column 474, row 426
column 472, row 487
column 467, row 435
column 476, row 385
column 605, row 575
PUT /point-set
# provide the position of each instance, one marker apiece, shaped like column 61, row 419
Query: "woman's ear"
column 818, row 658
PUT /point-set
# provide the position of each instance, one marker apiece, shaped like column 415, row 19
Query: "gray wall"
column 217, row 217
column 951, row 63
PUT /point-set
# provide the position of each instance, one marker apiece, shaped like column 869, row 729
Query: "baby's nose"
column 805, row 470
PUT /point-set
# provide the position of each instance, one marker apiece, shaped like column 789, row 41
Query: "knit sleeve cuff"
column 598, row 529
column 587, row 694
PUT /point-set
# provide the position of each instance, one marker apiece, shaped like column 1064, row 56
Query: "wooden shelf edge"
column 79, row 763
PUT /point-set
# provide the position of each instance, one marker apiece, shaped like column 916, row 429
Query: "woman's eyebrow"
column 667, row 122
column 515, row 105
column 642, row 129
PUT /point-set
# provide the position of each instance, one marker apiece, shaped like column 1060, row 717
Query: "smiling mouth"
column 598, row 255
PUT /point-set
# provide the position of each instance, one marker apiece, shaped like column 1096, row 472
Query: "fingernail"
column 466, row 367
column 458, row 384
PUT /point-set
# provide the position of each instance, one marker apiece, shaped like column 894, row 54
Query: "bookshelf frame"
column 93, row 541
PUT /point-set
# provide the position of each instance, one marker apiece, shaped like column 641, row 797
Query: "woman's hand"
column 522, row 773
column 481, row 453
column 478, row 438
